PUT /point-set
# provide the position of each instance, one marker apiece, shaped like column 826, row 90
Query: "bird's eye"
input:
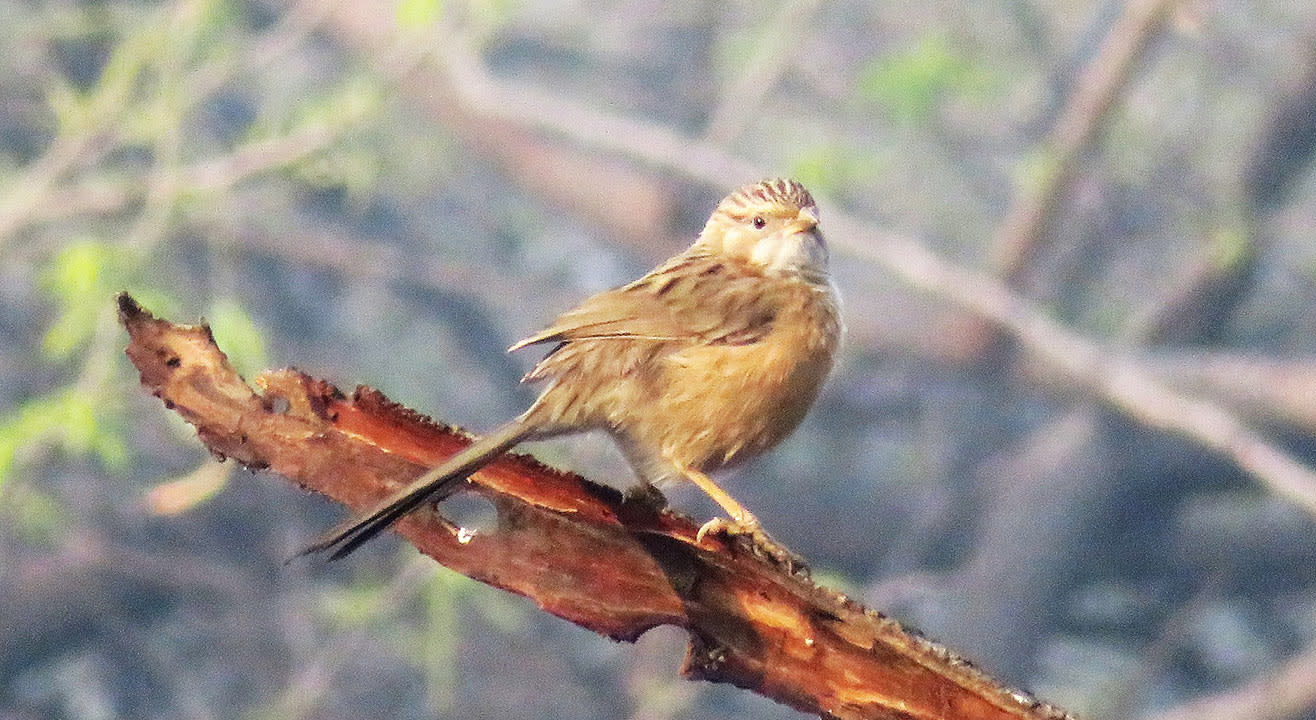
column 759, row 223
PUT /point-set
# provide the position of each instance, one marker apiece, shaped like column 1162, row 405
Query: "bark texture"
column 573, row 546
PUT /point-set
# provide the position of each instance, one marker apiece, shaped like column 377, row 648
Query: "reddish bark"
column 572, row 546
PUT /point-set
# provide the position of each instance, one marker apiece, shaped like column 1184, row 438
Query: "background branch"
column 383, row 193
column 1098, row 87
column 1114, row 377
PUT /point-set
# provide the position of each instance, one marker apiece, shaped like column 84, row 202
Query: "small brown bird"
column 709, row 360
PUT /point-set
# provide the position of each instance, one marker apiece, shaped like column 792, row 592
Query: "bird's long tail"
column 435, row 484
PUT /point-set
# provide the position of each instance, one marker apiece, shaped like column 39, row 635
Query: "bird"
column 708, row 360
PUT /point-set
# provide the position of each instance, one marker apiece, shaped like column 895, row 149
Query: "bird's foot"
column 752, row 535
column 724, row 526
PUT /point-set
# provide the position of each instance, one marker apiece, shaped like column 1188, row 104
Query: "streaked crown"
column 777, row 196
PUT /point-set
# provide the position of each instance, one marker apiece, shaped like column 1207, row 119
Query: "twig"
column 211, row 175
column 1021, row 230
column 1116, row 378
column 776, row 45
column 35, row 197
column 1265, row 389
column 29, row 191
column 529, row 106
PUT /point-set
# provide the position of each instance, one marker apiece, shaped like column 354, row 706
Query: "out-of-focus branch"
column 612, row 194
column 478, row 93
column 1115, row 378
column 28, row 191
column 1023, row 229
column 774, row 48
column 1269, row 390
column 35, row 194
column 1287, row 143
column 1286, row 691
column 574, row 547
column 211, row 175
column 1098, row 87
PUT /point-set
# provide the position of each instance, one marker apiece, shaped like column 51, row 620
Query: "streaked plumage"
column 709, row 359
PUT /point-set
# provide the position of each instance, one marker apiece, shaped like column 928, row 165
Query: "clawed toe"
column 729, row 528
column 756, row 539
column 724, row 526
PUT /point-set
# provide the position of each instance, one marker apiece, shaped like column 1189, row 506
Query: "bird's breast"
column 720, row 404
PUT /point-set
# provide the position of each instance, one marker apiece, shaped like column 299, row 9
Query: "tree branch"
column 1285, row 691
column 1097, row 89
column 572, row 546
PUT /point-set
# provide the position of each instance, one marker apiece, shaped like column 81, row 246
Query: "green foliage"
column 830, row 168
column 1037, row 171
column 436, row 654
column 418, row 14
column 78, row 418
column 146, row 58
column 33, row 516
column 354, row 166
column 484, row 18
column 353, row 606
column 160, row 62
column 732, row 51
column 815, row 169
column 838, row 581
column 433, row 647
column 238, row 334
column 357, row 97
column 1230, row 246
column 67, row 418
column 910, row 85
column 80, row 281
column 77, row 112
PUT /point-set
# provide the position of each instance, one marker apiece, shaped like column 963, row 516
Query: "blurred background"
column 1071, row 434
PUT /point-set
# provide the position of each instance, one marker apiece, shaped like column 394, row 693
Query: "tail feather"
column 435, row 484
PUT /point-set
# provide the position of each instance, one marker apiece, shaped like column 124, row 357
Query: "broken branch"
column 573, row 546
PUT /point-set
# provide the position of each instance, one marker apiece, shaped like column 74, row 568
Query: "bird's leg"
column 742, row 522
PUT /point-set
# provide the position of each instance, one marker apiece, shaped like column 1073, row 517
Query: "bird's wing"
column 692, row 299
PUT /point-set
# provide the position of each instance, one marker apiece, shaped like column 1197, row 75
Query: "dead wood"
column 573, row 546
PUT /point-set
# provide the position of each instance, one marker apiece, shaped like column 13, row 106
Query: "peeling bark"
column 573, row 546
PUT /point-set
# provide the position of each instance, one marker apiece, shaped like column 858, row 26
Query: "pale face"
column 772, row 225
column 791, row 245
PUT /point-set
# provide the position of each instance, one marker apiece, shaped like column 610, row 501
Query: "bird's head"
column 772, row 225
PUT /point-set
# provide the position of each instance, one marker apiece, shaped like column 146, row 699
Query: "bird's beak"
column 805, row 221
